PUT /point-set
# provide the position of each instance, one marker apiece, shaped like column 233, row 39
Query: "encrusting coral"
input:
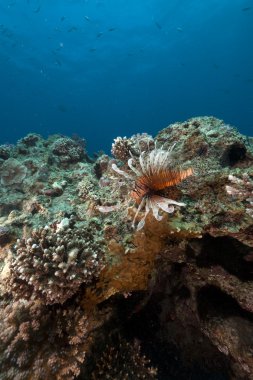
column 54, row 261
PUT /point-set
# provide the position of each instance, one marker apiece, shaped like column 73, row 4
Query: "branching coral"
column 152, row 173
column 122, row 360
column 44, row 342
column 123, row 147
column 54, row 261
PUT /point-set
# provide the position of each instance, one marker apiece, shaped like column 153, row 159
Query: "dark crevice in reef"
column 213, row 303
column 226, row 252
column 233, row 155
column 137, row 321
column 144, row 324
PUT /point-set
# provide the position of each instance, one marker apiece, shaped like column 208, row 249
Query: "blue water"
column 107, row 68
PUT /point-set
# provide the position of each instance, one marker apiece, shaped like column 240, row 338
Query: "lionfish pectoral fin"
column 155, row 209
column 141, row 223
column 138, row 210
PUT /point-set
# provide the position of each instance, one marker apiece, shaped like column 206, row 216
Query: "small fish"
column 57, row 62
column 72, row 29
column 63, row 18
column 246, row 9
column 87, row 18
column 36, row 10
column 179, row 29
column 158, row 25
column 111, row 29
column 99, row 34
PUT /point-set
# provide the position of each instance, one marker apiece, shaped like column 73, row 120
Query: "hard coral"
column 123, row 147
column 45, row 342
column 30, row 140
column 12, row 172
column 5, row 235
column 242, row 189
column 154, row 174
column 122, row 360
column 6, row 151
column 68, row 150
column 53, row 262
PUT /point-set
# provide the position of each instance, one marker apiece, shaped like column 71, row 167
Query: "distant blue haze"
column 108, row 68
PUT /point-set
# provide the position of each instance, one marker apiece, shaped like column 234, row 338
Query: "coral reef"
column 68, row 252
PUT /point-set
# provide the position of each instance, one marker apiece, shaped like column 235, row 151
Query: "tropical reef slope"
column 71, row 259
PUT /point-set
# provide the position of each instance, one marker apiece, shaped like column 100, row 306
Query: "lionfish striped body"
column 146, row 185
column 153, row 175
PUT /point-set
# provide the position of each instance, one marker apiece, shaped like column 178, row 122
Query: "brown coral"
column 242, row 189
column 40, row 342
column 122, row 360
column 68, row 150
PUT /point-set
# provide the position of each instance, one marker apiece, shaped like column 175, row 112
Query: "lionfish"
column 154, row 174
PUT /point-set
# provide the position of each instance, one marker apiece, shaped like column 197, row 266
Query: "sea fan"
column 152, row 173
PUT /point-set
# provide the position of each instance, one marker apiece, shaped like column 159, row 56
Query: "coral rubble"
column 70, row 258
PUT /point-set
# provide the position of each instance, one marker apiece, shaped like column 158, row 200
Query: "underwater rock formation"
column 193, row 266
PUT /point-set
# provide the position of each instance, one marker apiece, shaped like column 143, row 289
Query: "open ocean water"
column 108, row 68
